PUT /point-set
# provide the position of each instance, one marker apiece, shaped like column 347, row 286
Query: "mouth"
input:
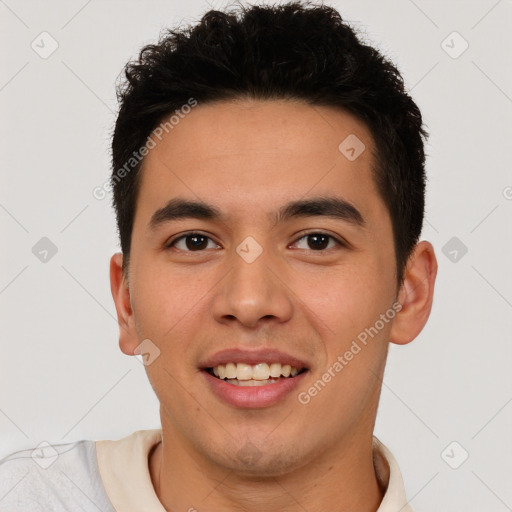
column 260, row 374
column 253, row 386
column 251, row 379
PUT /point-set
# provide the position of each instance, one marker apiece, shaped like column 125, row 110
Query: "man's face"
column 254, row 281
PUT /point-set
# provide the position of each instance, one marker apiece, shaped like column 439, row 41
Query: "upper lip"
column 252, row 357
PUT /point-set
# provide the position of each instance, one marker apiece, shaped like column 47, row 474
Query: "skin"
column 248, row 158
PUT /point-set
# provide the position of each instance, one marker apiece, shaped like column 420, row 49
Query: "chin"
column 251, row 462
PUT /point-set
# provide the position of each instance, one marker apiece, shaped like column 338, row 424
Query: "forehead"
column 251, row 156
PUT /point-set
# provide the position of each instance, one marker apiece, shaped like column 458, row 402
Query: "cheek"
column 163, row 296
column 351, row 305
column 347, row 298
column 168, row 309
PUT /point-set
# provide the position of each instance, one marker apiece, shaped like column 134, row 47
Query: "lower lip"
column 253, row 397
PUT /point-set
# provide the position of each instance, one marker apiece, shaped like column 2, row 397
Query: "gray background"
column 62, row 375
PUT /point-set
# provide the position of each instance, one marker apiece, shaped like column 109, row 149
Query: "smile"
column 249, row 392
column 261, row 374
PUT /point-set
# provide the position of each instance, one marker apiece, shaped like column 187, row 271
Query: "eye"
column 319, row 241
column 197, row 242
column 193, row 242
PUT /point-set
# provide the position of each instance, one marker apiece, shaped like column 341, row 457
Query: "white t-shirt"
column 113, row 476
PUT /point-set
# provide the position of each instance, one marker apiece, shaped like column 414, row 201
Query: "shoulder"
column 57, row 477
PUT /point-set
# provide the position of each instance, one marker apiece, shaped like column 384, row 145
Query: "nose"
column 253, row 293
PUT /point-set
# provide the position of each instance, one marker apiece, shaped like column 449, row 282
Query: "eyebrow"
column 332, row 207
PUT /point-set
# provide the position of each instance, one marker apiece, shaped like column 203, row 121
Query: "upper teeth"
column 260, row 371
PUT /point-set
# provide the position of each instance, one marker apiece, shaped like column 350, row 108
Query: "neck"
column 344, row 474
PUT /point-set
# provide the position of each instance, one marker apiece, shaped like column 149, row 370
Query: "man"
column 268, row 181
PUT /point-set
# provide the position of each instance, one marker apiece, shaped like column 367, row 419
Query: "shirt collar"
column 124, row 470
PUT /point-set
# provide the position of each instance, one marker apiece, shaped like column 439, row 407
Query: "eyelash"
column 339, row 242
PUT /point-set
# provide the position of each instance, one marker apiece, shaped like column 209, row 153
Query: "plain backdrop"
column 446, row 406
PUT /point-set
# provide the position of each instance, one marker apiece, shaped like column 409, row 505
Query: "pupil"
column 317, row 241
column 198, row 242
column 322, row 245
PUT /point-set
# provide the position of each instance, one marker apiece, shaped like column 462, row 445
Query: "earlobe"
column 128, row 340
column 416, row 294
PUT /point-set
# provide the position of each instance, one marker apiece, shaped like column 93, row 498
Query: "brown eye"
column 193, row 242
column 318, row 241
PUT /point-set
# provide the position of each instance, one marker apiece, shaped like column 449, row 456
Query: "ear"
column 415, row 295
column 128, row 339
